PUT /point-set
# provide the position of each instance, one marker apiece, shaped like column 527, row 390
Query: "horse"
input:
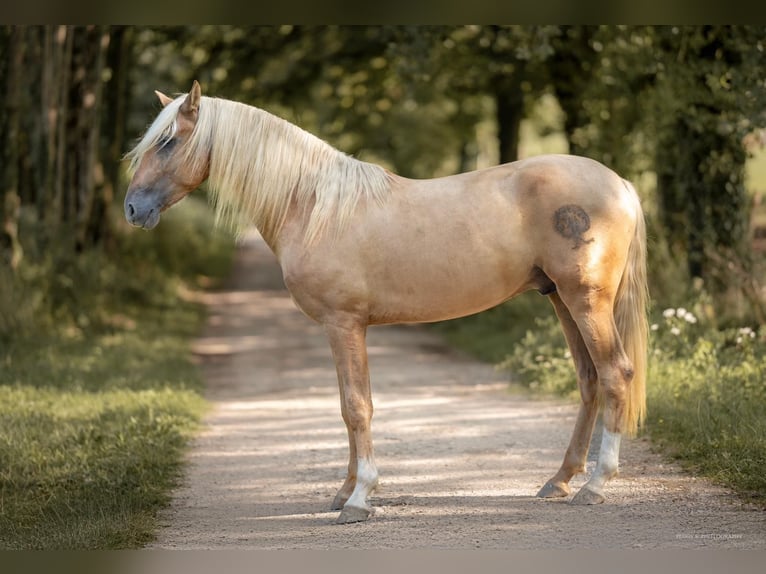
column 359, row 245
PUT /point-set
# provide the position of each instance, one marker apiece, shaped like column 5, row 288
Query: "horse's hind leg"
column 577, row 453
column 592, row 310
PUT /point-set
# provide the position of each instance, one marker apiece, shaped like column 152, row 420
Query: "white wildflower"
column 680, row 312
column 689, row 318
column 675, row 330
column 655, row 326
column 667, row 313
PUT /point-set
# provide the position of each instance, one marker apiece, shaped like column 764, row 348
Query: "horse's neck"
column 291, row 234
column 290, row 177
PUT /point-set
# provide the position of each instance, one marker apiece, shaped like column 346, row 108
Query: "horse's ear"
column 164, row 100
column 190, row 106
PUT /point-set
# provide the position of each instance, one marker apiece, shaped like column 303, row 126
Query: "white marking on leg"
column 366, row 481
column 608, row 460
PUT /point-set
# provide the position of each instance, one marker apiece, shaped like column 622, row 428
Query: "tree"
column 56, row 167
column 677, row 101
column 572, row 68
column 428, row 85
column 713, row 74
column 115, row 103
column 12, row 42
column 502, row 62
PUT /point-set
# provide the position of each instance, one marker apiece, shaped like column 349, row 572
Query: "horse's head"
column 164, row 169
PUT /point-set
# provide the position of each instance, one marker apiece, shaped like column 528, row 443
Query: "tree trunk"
column 572, row 67
column 53, row 162
column 86, row 94
column 54, row 41
column 114, row 117
column 11, row 203
column 509, row 110
column 64, row 47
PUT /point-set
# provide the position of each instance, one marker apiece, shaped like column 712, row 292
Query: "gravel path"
column 460, row 457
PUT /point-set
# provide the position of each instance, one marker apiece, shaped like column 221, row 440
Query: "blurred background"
column 678, row 110
column 93, row 307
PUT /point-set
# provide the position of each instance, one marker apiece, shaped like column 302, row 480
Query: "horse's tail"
column 630, row 313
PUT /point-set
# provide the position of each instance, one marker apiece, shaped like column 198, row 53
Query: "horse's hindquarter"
column 446, row 247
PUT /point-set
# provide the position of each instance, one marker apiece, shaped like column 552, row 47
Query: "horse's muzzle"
column 141, row 211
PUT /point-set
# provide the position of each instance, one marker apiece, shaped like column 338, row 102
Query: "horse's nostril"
column 131, row 210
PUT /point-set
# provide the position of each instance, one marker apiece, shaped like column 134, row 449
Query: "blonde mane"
column 261, row 164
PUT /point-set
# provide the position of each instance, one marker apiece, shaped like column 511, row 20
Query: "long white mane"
column 260, row 165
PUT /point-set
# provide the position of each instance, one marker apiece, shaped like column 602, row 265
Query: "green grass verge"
column 85, row 470
column 707, row 400
column 98, row 393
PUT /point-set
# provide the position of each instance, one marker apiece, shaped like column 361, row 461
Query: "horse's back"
column 547, row 182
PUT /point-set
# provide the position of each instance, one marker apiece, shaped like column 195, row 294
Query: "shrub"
column 706, row 396
column 542, row 361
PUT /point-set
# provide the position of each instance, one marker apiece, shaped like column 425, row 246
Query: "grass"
column 85, row 470
column 707, row 400
column 98, row 393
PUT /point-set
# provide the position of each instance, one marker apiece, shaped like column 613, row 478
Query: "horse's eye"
column 166, row 143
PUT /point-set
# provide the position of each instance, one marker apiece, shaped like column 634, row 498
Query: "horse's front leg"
column 350, row 483
column 349, row 349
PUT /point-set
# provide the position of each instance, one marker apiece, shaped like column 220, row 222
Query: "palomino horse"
column 360, row 246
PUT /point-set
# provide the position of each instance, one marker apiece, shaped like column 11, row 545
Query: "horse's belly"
column 428, row 311
column 436, row 293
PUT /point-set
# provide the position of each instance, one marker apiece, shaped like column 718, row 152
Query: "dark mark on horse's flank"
column 571, row 221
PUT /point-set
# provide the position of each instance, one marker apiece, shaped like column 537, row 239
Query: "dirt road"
column 460, row 457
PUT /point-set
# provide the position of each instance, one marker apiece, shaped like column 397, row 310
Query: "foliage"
column 58, row 291
column 542, row 361
column 670, row 102
column 489, row 335
column 707, row 398
column 348, row 84
column 98, row 394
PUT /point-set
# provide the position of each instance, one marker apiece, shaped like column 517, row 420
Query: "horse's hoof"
column 552, row 490
column 587, row 496
column 351, row 514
